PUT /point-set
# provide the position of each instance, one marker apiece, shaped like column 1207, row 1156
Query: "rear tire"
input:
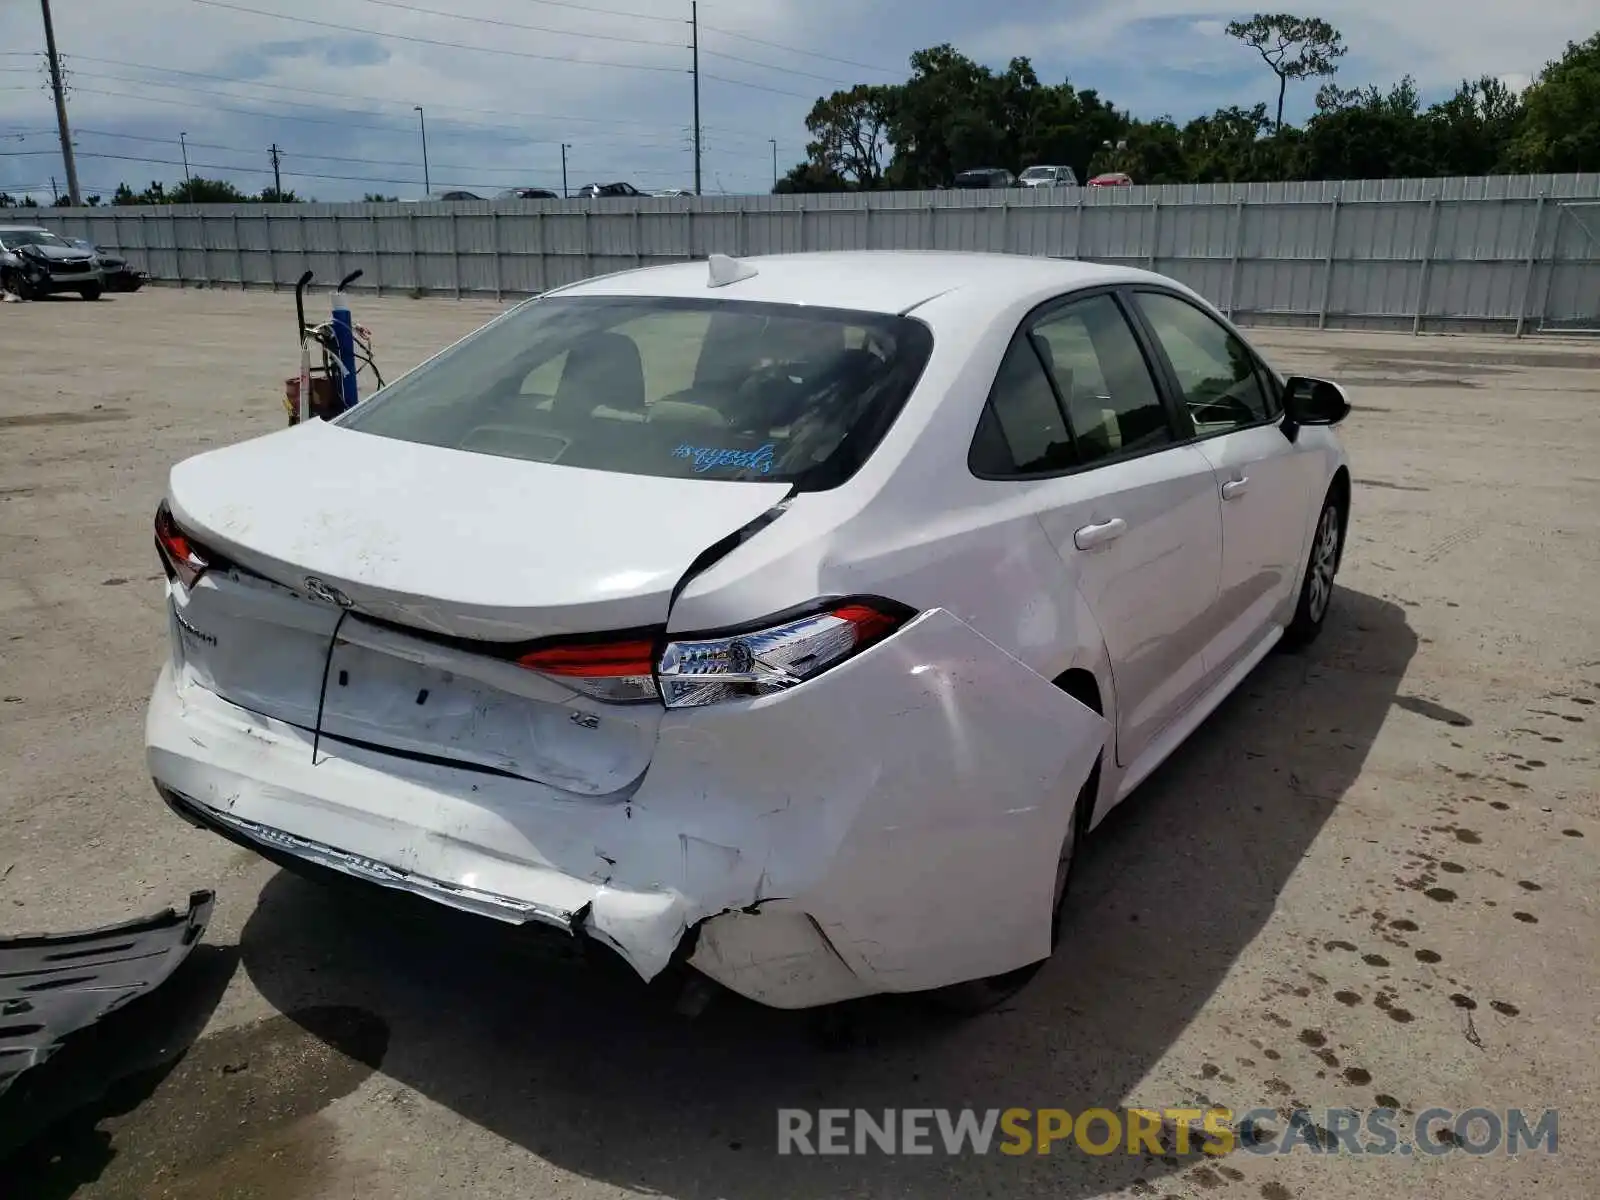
column 1316, row 588
column 92, row 292
column 977, row 996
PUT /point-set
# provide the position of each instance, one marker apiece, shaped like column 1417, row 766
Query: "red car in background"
column 1112, row 179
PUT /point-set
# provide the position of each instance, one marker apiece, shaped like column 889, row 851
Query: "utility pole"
column 564, row 148
column 55, row 193
column 774, row 142
column 694, row 22
column 277, row 182
column 427, row 184
column 185, row 145
column 61, row 105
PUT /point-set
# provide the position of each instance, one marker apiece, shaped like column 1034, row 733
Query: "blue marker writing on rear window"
column 709, row 457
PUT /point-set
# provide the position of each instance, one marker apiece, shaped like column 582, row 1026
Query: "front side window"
column 713, row 389
column 1216, row 371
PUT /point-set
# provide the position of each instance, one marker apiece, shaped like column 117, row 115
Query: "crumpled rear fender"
column 913, row 802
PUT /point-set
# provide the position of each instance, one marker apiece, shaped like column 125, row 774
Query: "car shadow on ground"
column 587, row 1075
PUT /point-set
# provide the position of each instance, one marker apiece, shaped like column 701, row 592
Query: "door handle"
column 1235, row 488
column 1091, row 536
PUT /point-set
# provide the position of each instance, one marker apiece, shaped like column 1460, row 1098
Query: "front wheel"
column 1316, row 589
column 92, row 292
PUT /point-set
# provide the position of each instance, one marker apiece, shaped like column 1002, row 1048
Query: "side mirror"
column 1309, row 401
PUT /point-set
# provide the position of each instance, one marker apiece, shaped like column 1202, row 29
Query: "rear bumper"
column 890, row 826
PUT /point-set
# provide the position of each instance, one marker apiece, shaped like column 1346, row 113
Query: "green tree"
column 378, row 198
column 1368, row 135
column 849, row 132
column 810, row 177
column 1561, row 113
column 274, row 196
column 1292, row 47
column 1472, row 133
column 205, row 191
column 92, row 201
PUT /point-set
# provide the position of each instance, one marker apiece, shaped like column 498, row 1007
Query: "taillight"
column 181, row 556
column 619, row 672
column 737, row 665
column 759, row 662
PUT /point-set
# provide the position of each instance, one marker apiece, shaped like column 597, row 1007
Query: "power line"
column 434, row 12
column 426, row 41
column 300, row 91
column 524, row 54
column 743, row 37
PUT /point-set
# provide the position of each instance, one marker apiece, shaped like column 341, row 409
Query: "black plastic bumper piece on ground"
column 52, row 985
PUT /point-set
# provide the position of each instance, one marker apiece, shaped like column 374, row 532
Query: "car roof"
column 881, row 281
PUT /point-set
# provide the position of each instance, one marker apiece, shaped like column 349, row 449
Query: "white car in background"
column 791, row 618
column 1043, row 176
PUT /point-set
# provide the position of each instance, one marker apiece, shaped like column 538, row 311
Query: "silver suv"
column 1048, row 177
column 35, row 262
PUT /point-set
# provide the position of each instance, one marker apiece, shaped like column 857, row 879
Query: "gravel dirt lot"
column 1373, row 875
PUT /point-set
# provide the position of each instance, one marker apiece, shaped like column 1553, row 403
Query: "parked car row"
column 587, row 191
column 35, row 263
column 1035, row 177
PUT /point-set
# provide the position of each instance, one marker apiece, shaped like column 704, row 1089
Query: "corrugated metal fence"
column 1518, row 253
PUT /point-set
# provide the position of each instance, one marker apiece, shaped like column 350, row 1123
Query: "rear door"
column 1132, row 511
column 1264, row 481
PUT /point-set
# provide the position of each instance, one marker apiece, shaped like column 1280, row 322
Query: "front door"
column 1263, row 480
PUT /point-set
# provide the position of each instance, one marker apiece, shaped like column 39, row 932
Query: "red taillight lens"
column 181, row 556
column 621, row 672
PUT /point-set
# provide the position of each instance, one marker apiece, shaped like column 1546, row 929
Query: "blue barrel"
column 344, row 334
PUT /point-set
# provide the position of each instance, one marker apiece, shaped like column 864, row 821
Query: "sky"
column 504, row 84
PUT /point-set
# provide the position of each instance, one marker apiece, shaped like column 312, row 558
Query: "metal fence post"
column 494, row 250
column 930, row 242
column 1155, row 235
column 1528, row 266
column 411, row 229
column 800, row 216
column 1327, row 262
column 1077, row 229
column 300, row 233
column 238, row 249
column 1427, row 262
column 1005, row 226
column 272, row 254
column 638, row 241
column 177, row 252
column 377, row 255
column 338, row 250
column 543, row 283
column 205, row 254
column 1233, row 258
column 866, row 223
column 455, row 254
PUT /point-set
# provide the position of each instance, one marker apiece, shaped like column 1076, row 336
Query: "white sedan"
column 789, row 619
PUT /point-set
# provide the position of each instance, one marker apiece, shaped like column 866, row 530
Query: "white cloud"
column 495, row 119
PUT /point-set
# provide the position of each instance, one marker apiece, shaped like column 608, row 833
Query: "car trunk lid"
column 385, row 589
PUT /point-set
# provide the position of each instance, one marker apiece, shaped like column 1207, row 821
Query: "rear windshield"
column 665, row 386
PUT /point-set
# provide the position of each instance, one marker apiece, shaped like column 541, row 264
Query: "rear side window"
column 665, row 386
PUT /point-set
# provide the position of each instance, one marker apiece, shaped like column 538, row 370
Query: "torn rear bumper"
column 891, row 825
column 52, row 985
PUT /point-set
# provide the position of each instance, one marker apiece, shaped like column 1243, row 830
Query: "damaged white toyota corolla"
column 790, row 618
